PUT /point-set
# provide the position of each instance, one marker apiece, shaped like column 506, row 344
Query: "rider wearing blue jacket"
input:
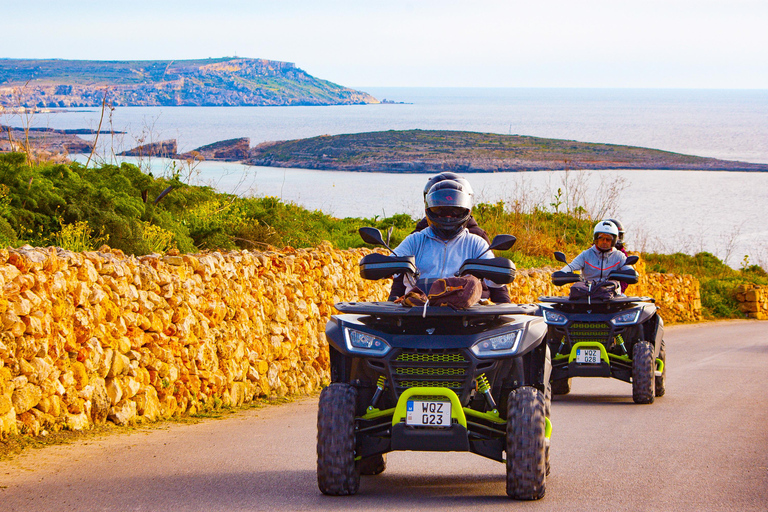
column 602, row 258
column 441, row 248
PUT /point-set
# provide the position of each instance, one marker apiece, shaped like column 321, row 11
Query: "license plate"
column 588, row 355
column 426, row 413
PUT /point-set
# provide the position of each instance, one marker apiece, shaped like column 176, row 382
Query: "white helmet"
column 608, row 228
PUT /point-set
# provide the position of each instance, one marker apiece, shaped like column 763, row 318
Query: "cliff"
column 208, row 82
column 92, row 337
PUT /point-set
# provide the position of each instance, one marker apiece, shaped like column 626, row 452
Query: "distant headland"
column 227, row 81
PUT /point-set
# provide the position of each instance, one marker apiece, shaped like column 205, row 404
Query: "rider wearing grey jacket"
column 602, row 258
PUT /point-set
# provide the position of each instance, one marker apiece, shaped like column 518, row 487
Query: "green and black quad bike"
column 435, row 379
column 620, row 337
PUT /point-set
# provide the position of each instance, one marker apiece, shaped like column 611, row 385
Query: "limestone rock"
column 123, row 413
column 77, row 421
column 26, row 397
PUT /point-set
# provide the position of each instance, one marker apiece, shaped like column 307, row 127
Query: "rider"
column 441, row 248
column 398, row 286
column 602, row 257
column 620, row 240
column 620, row 246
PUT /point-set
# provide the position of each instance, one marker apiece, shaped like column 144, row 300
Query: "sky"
column 720, row 44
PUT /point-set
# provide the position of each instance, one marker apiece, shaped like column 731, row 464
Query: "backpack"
column 592, row 290
column 456, row 292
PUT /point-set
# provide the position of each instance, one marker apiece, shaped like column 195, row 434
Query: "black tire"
column 337, row 473
column 548, row 414
column 373, row 465
column 643, row 373
column 662, row 380
column 561, row 386
column 526, row 444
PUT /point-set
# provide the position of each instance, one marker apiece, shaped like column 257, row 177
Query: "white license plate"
column 428, row 413
column 588, row 355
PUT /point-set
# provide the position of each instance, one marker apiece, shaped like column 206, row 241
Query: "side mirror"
column 560, row 257
column 372, row 236
column 631, row 260
column 503, row 242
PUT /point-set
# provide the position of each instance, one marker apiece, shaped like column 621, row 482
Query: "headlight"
column 554, row 318
column 364, row 343
column 627, row 318
column 503, row 344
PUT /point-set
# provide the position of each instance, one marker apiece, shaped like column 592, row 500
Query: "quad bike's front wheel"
column 526, row 444
column 337, row 473
column 661, row 380
column 643, row 373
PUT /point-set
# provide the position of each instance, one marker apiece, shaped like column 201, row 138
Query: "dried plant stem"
column 98, row 130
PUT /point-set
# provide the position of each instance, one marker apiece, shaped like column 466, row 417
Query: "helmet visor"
column 449, row 211
column 449, row 197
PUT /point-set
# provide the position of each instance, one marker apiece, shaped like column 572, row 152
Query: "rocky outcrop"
column 162, row 149
column 42, row 139
column 99, row 336
column 231, row 150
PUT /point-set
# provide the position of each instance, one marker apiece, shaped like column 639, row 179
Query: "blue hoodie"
column 436, row 258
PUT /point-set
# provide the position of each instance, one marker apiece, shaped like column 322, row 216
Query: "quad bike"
column 435, row 379
column 619, row 337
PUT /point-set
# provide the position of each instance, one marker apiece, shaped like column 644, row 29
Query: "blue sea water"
column 720, row 212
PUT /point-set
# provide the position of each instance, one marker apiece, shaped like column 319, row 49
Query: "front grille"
column 589, row 331
column 429, row 368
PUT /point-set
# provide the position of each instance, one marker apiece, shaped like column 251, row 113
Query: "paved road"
column 703, row 447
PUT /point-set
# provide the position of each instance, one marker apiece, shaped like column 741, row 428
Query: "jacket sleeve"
column 577, row 263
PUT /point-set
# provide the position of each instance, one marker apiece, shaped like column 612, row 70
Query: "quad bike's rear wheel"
column 373, row 465
column 643, row 373
column 661, row 380
column 561, row 386
column 526, row 444
column 337, row 473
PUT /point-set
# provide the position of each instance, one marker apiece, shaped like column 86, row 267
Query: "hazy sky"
column 477, row 43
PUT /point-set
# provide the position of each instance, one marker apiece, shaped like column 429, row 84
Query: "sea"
column 663, row 211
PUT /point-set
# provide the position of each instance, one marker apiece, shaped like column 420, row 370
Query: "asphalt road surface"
column 702, row 447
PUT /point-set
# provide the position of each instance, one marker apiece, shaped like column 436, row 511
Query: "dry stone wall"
column 753, row 300
column 99, row 336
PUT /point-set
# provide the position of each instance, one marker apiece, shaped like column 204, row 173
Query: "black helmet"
column 620, row 241
column 443, row 176
column 448, row 206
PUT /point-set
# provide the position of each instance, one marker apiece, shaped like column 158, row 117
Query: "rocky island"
column 409, row 151
column 228, row 81
column 427, row 151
